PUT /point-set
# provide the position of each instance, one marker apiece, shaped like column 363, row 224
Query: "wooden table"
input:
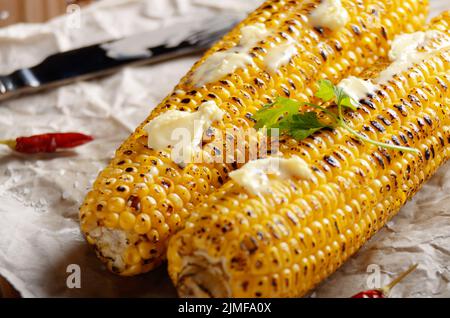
column 6, row 290
column 15, row 11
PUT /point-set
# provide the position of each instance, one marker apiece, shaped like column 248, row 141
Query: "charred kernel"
column 377, row 126
column 185, row 101
column 166, row 183
column 395, row 140
column 237, row 100
column 356, row 29
column 427, row 154
column 131, row 169
column 420, row 122
column 259, row 82
column 122, row 188
column 384, row 120
column 367, row 103
column 128, row 152
column 401, row 109
column 413, row 99
column 134, row 202
column 383, row 32
column 319, row 30
column 331, row 161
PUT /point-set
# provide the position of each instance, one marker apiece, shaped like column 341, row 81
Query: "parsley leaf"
column 284, row 115
column 301, row 126
column 271, row 114
column 326, row 91
column 342, row 99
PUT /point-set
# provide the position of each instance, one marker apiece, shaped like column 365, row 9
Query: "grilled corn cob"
column 143, row 197
column 284, row 243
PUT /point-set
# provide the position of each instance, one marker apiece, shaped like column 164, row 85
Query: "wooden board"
column 6, row 290
column 33, row 11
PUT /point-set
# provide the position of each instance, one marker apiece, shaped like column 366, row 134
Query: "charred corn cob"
column 284, row 243
column 143, row 197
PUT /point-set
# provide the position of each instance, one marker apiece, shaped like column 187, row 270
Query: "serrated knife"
column 106, row 58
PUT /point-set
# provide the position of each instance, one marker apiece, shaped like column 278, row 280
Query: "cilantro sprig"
column 284, row 115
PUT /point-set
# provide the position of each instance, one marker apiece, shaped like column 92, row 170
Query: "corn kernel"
column 127, row 220
column 153, row 236
column 144, row 249
column 183, row 193
column 148, row 204
column 143, row 223
column 116, row 204
column 140, row 189
column 132, row 256
column 176, row 201
column 157, row 192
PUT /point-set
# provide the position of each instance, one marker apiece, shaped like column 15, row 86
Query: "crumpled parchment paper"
column 39, row 196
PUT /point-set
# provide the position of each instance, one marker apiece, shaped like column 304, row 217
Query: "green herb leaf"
column 284, row 115
column 271, row 114
column 302, row 125
column 326, row 91
column 342, row 99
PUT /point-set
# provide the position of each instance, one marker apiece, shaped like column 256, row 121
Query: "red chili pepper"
column 373, row 293
column 384, row 291
column 47, row 143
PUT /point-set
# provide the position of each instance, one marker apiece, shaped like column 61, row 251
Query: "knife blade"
column 106, row 58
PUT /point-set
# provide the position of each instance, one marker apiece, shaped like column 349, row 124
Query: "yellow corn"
column 285, row 243
column 142, row 198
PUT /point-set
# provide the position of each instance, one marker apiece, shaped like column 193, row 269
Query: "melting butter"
column 408, row 49
column 280, row 55
column 329, row 14
column 254, row 175
column 182, row 131
column 222, row 63
column 357, row 88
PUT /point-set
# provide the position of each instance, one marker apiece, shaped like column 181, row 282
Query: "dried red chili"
column 384, row 291
column 47, row 143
